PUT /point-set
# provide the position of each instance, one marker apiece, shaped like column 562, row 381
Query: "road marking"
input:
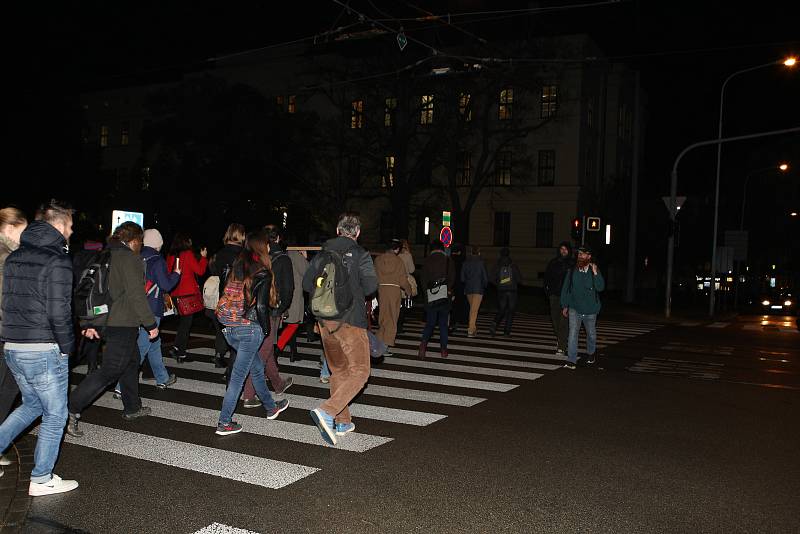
column 254, row 470
column 219, row 528
column 259, row 426
column 717, row 325
column 368, row 411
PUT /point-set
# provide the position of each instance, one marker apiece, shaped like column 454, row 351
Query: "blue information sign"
column 118, row 217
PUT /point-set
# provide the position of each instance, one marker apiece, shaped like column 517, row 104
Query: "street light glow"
column 793, row 214
column 790, row 62
column 783, row 167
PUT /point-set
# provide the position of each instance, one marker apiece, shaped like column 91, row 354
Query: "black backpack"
column 91, row 297
column 332, row 295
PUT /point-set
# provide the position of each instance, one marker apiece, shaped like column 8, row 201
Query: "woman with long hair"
column 181, row 257
column 220, row 265
column 12, row 223
column 244, row 310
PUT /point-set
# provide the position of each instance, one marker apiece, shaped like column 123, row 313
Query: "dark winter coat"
column 474, row 276
column 129, row 306
column 156, row 273
column 284, row 278
column 363, row 280
column 556, row 271
column 224, row 257
column 37, row 290
column 516, row 275
column 438, row 266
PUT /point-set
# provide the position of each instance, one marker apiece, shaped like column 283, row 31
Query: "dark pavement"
column 686, row 427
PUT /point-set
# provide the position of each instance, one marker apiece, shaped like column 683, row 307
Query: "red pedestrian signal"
column 576, row 228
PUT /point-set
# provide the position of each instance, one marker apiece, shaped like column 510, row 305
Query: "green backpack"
column 332, row 295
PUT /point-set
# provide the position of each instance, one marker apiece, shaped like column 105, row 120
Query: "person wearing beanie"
column 153, row 239
column 553, row 281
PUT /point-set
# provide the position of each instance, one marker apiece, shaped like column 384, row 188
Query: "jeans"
column 152, row 351
column 506, row 304
column 120, row 363
column 8, row 388
column 325, row 372
column 267, row 355
column 560, row 323
column 589, row 322
column 436, row 315
column 347, row 353
column 43, row 378
column 220, row 345
column 245, row 340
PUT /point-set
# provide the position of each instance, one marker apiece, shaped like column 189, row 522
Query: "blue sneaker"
column 325, row 424
column 344, row 428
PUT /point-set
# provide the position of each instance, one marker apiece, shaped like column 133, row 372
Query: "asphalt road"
column 687, row 427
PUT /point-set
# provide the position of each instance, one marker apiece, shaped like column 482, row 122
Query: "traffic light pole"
column 583, row 231
column 673, row 190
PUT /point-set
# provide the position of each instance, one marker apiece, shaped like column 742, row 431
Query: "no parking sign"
column 446, row 236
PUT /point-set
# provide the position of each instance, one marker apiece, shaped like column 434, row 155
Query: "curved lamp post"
column 789, row 62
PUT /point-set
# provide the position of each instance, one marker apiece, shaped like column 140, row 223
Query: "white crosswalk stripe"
column 421, row 393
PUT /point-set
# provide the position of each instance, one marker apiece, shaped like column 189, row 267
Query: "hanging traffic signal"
column 576, row 228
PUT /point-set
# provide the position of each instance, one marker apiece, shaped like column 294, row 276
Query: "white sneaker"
column 51, row 487
column 4, row 460
column 559, row 352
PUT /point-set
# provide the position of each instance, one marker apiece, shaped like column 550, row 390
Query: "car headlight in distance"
column 765, row 303
column 787, row 302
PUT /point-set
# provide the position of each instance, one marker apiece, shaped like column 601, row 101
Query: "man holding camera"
column 580, row 301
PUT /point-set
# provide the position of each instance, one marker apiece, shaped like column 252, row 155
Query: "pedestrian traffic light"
column 593, row 224
column 576, row 228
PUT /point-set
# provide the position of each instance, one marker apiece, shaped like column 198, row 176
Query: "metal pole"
column 630, row 286
column 712, row 288
column 673, row 200
column 583, row 231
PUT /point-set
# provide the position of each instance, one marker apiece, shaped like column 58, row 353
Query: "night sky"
column 683, row 51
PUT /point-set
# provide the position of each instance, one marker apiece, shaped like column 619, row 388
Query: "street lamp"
column 783, row 167
column 788, row 62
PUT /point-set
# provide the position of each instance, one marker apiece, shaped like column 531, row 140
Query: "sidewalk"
column 14, row 499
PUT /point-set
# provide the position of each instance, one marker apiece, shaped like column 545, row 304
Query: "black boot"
column 219, row 361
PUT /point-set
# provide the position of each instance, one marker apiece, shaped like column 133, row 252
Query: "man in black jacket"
column 38, row 336
column 284, row 283
column 344, row 339
column 553, row 281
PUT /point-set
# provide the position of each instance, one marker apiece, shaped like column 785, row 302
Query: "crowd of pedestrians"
column 257, row 295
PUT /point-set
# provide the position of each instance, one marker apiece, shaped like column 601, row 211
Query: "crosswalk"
column 403, row 393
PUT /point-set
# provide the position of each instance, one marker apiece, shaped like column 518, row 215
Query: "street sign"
column 118, row 217
column 593, row 224
column 446, row 236
column 445, row 218
column 678, row 203
column 738, row 240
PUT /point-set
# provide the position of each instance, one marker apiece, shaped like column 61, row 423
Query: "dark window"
column 354, row 172
column 465, row 106
column 464, row 170
column 544, row 229
column 387, row 227
column 124, row 137
column 503, row 168
column 547, row 167
column 502, row 228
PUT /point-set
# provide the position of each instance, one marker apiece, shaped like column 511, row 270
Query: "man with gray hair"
column 38, row 336
column 344, row 337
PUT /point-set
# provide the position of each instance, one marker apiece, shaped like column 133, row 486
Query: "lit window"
column 547, row 167
column 124, row 137
column 389, row 111
column 464, row 169
column 465, row 106
column 549, row 104
column 357, row 114
column 292, row 106
column 388, row 177
column 279, row 100
column 506, row 104
column 503, row 168
column 426, row 109
column 103, row 136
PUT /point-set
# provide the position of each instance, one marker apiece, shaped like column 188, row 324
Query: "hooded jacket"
column 156, row 273
column 284, row 277
column 474, row 276
column 516, row 275
column 557, row 270
column 363, row 280
column 37, row 290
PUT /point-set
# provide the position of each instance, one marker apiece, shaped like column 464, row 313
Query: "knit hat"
column 153, row 239
column 585, row 249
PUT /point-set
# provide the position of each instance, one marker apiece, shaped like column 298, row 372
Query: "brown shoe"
column 422, row 348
